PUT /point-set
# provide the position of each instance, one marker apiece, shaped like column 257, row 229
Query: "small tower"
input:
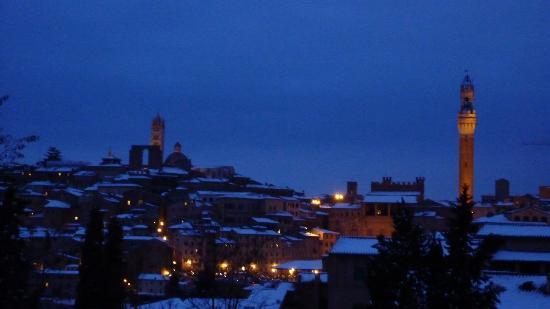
column 157, row 132
column 466, row 130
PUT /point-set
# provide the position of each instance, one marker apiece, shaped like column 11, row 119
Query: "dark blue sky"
column 307, row 94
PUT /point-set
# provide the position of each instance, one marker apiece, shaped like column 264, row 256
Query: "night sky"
column 306, row 94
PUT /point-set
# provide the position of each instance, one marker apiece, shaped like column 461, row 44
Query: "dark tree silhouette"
column 11, row 148
column 467, row 285
column 414, row 270
column 113, row 267
column 89, row 294
column 173, row 287
column 53, row 154
column 14, row 268
column 394, row 276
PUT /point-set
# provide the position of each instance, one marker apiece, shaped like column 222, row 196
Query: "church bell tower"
column 466, row 130
column 157, row 132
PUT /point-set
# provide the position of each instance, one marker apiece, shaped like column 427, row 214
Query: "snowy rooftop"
column 513, row 297
column 124, row 185
column 181, row 226
column 302, row 265
column 60, row 272
column 57, row 204
column 355, row 245
column 346, row 206
column 249, row 231
column 267, row 295
column 74, row 191
column 152, row 277
column 515, row 230
column 41, row 183
column 172, row 171
column 505, row 255
column 501, row 218
column 264, row 220
column 324, row 231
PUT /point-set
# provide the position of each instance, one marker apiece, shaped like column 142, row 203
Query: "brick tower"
column 466, row 130
column 157, row 132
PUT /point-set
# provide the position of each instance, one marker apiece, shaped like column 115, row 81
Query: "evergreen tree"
column 436, row 275
column 89, row 294
column 14, row 268
column 53, row 154
column 468, row 286
column 113, row 267
column 394, row 275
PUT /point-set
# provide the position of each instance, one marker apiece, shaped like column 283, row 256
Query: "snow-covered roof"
column 515, row 230
column 57, row 204
column 50, row 271
column 249, row 231
column 172, row 171
column 152, row 277
column 61, row 169
column 267, row 295
column 181, row 226
column 166, row 304
column 355, row 245
column 345, row 206
column 114, row 185
column 44, row 183
column 523, row 256
column 307, row 265
column 426, row 214
column 324, row 231
column 264, row 220
column 513, row 297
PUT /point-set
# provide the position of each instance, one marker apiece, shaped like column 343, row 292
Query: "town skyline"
column 330, row 100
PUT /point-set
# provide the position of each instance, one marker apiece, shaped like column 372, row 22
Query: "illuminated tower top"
column 467, row 95
column 157, row 132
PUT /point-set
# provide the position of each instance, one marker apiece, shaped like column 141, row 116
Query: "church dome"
column 178, row 159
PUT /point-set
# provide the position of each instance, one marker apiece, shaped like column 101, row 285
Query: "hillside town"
column 284, row 248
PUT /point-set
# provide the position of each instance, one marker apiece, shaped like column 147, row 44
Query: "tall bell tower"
column 157, row 132
column 466, row 130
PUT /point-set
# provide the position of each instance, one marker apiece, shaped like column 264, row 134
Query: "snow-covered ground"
column 514, row 298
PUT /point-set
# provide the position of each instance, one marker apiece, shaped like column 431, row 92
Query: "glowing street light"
column 316, row 201
column 339, row 196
